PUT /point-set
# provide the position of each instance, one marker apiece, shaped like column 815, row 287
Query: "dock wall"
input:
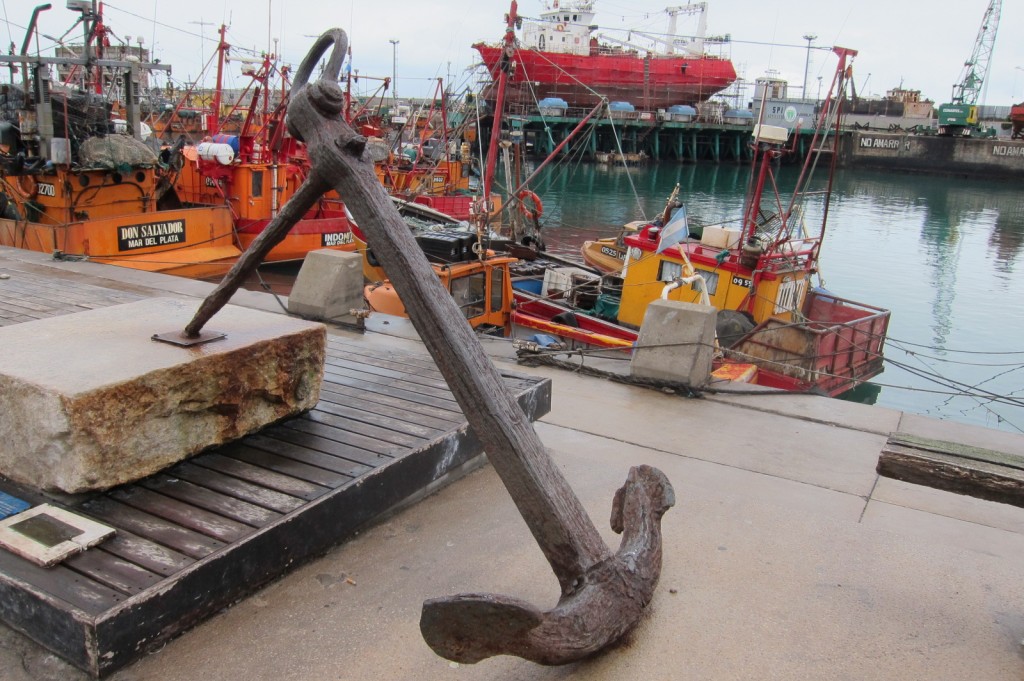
column 638, row 137
column 994, row 157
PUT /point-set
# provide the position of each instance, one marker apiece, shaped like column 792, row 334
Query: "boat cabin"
column 481, row 288
column 737, row 276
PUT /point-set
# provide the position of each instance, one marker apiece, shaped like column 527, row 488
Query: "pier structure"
column 635, row 135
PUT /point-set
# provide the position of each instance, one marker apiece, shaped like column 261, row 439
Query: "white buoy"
column 211, row 151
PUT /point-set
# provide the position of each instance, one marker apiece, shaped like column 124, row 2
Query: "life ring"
column 26, row 187
column 560, row 27
column 538, row 207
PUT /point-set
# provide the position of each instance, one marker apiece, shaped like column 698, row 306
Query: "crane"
column 960, row 115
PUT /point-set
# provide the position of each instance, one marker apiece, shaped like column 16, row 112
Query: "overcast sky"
column 919, row 44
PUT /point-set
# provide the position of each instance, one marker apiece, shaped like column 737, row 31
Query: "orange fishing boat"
column 70, row 185
column 255, row 172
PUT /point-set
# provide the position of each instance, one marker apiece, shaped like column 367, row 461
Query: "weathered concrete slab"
column 329, row 286
column 676, row 343
column 89, row 401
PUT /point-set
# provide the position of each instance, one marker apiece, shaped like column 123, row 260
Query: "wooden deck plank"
column 410, row 381
column 114, row 572
column 419, row 360
column 181, row 514
column 242, row 490
column 272, row 442
column 156, row 529
column 378, row 417
column 77, row 590
column 364, row 435
column 342, row 445
column 392, row 386
column 261, row 475
column 290, row 467
column 360, row 383
column 147, row 554
column 393, row 368
column 422, row 414
column 232, row 508
column 424, row 385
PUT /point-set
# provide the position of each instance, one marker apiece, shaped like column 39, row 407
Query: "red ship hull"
column 582, row 80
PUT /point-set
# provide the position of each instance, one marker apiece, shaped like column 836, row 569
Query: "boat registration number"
column 741, row 281
column 46, row 189
column 130, row 237
column 613, row 252
column 335, row 239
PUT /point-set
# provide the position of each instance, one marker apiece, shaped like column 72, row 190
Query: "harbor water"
column 943, row 254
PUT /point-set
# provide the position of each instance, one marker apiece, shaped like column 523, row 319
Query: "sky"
column 916, row 44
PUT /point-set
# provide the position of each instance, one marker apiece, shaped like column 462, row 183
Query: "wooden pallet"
column 206, row 532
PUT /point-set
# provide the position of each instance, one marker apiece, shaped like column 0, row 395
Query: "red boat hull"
column 582, row 80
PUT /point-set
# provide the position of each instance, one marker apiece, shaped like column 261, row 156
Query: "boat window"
column 470, row 294
column 668, row 270
column 257, row 183
column 710, row 280
column 497, row 289
column 790, row 295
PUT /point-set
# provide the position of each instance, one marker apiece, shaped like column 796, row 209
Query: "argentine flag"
column 675, row 231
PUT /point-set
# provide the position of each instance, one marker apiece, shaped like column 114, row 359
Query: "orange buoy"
column 538, row 207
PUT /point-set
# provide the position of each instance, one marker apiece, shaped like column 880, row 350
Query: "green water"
column 942, row 253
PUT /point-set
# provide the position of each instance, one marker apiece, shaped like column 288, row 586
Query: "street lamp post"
column 394, row 71
column 809, row 37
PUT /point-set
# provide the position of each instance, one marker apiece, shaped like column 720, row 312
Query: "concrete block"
column 89, row 401
column 329, row 286
column 676, row 343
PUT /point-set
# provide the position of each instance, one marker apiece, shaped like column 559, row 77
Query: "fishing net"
column 115, row 151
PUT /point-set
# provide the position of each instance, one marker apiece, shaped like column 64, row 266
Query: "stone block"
column 676, row 343
column 89, row 400
column 329, row 286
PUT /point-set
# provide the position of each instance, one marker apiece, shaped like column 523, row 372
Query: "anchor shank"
column 555, row 516
column 292, row 211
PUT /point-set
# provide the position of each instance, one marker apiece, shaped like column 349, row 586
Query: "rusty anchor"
column 603, row 595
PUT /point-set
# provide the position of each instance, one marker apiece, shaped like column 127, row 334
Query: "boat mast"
column 829, row 123
column 505, row 65
column 213, row 118
column 97, row 32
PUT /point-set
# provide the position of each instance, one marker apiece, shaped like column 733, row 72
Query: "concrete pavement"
column 786, row 557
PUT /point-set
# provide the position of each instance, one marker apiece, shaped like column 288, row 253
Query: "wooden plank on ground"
column 387, row 377
column 84, row 594
column 423, row 414
column 261, row 475
column 221, row 504
column 973, row 471
column 112, row 571
column 145, row 553
column 376, row 418
column 322, row 459
column 361, row 383
column 368, row 436
column 154, row 528
column 182, row 514
column 236, row 488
